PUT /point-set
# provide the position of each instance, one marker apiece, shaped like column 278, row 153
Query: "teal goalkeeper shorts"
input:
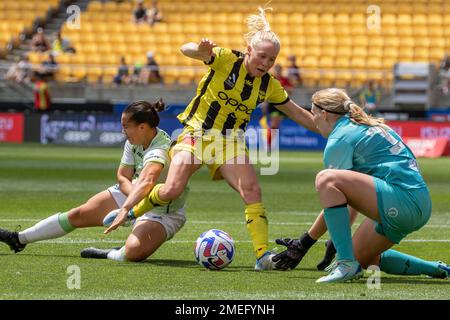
column 402, row 211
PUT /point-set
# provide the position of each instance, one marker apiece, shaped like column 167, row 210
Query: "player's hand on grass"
column 120, row 220
column 291, row 257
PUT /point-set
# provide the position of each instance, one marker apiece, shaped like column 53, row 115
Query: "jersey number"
column 397, row 146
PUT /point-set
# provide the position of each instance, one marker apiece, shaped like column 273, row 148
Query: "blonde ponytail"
column 259, row 29
column 338, row 102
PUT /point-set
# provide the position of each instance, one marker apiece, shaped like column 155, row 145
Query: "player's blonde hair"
column 337, row 101
column 259, row 29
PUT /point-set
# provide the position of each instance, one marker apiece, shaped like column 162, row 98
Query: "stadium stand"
column 18, row 18
column 336, row 42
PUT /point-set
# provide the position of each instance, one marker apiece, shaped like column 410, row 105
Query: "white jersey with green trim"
column 157, row 152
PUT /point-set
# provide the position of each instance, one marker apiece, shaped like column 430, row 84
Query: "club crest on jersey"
column 231, row 80
column 261, row 95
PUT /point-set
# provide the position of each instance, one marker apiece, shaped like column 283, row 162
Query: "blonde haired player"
column 227, row 95
column 369, row 168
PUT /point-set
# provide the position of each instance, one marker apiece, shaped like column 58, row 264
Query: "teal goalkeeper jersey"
column 372, row 150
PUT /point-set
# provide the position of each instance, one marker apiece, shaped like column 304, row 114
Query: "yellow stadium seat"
column 437, row 53
column 388, row 62
column 329, row 51
column 64, row 73
column 79, row 72
column 296, row 18
column 358, row 19
column 343, row 30
column 406, row 8
column 342, row 79
column 95, row 6
column 358, row 30
column 326, row 19
column 406, row 42
column 375, row 52
column 438, row 42
column 358, row 63
column 344, row 51
column 388, row 19
column 390, row 52
column 421, row 54
column 375, row 41
column 391, row 42
column 404, row 19
column 436, row 31
column 311, row 19
column 419, row 20
column 342, row 18
column 327, row 78
column 435, row 8
column 435, row 19
column 359, row 52
column 310, row 62
column 326, row 62
column 420, row 31
column 94, row 74
column 361, row 41
column 446, row 20
column 342, row 62
column 374, row 63
column 314, row 41
column 406, row 55
column 404, row 31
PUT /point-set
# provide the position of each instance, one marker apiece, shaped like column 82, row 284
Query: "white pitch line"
column 439, row 226
column 89, row 241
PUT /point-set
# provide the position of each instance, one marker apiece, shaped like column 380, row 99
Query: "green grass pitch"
column 37, row 181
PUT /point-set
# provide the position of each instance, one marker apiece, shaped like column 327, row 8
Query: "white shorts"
column 172, row 221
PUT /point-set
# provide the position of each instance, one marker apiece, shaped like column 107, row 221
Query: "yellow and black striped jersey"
column 227, row 94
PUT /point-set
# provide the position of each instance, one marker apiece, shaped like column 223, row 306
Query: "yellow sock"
column 149, row 202
column 258, row 227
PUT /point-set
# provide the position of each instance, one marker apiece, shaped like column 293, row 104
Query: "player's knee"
column 171, row 191
column 250, row 192
column 325, row 179
column 134, row 252
column 363, row 258
column 75, row 217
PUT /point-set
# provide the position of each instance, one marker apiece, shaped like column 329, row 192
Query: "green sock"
column 394, row 262
column 338, row 222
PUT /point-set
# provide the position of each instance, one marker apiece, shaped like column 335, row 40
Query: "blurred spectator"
column 61, row 45
column 444, row 74
column 42, row 100
column 140, row 13
column 137, row 69
column 40, row 43
column 20, row 71
column 272, row 117
column 150, row 72
column 293, row 71
column 49, row 68
column 154, row 14
column 370, row 96
column 123, row 73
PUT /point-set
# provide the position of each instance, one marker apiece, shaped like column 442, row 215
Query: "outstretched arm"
column 201, row 51
column 300, row 115
column 147, row 180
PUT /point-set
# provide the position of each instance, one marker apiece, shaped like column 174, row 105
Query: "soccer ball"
column 214, row 249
